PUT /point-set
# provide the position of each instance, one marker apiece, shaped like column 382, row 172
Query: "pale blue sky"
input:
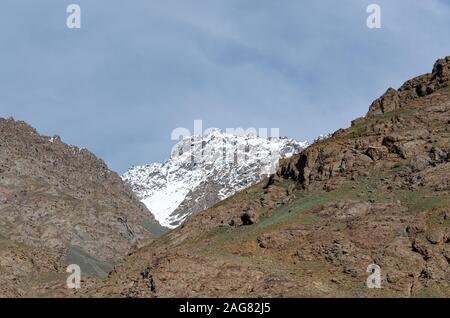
column 140, row 68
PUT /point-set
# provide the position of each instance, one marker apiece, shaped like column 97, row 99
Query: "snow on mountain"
column 204, row 170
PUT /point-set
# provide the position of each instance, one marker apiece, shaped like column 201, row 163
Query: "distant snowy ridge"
column 204, row 170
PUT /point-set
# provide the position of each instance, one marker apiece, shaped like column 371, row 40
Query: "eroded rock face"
column 248, row 218
column 65, row 201
column 441, row 71
column 389, row 102
column 415, row 88
column 383, row 140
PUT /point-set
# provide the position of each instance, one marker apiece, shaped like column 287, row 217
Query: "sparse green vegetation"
column 154, row 228
column 89, row 264
column 445, row 89
column 418, row 201
column 360, row 129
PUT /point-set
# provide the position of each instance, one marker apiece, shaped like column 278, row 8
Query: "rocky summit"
column 60, row 205
column 204, row 170
column 374, row 195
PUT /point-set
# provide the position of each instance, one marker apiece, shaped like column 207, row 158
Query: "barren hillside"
column 377, row 192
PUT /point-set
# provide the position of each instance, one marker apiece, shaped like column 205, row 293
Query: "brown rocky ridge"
column 60, row 205
column 377, row 192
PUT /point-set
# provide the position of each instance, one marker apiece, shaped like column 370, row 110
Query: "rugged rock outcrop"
column 408, row 130
column 415, row 88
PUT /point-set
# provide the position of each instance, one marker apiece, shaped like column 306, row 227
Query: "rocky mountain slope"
column 204, row 170
column 60, row 205
column 377, row 192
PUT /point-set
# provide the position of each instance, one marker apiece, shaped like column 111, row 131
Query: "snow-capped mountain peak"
column 204, row 170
